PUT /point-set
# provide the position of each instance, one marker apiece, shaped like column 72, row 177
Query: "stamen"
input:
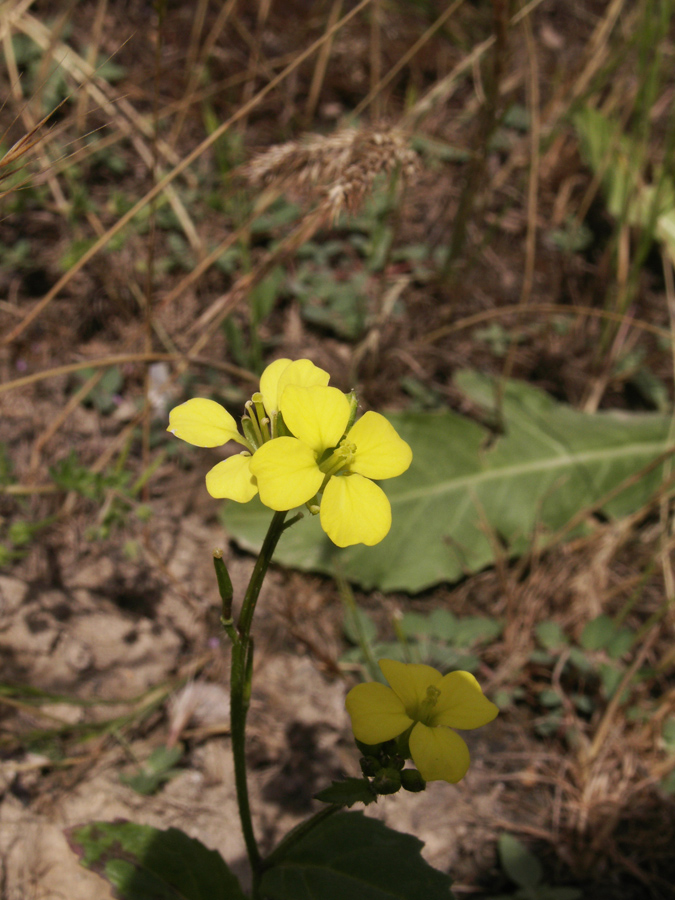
column 340, row 458
column 249, row 423
column 427, row 705
column 433, row 694
column 261, row 414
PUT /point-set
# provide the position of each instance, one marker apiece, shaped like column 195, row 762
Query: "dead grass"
column 167, row 153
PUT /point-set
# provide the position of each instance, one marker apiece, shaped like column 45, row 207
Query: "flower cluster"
column 302, row 446
column 419, row 708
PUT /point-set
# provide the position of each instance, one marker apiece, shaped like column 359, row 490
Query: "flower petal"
column 410, row 681
column 380, row 452
column 231, row 479
column 287, row 473
column 282, row 372
column 376, row 712
column 269, row 381
column 302, row 373
column 316, row 415
column 354, row 510
column 462, row 703
column 439, row 754
column 203, row 423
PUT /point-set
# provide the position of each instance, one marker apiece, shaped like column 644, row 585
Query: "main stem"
column 240, row 690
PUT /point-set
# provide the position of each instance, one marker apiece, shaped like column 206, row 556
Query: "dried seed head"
column 337, row 170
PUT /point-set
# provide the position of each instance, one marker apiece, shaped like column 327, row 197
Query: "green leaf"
column 552, row 462
column 522, row 867
column 348, row 792
column 598, row 633
column 579, row 659
column 550, row 698
column 476, row 630
column 551, row 636
column 264, row 295
column 351, row 856
column 621, row 643
column 415, row 625
column 158, row 768
column 143, row 863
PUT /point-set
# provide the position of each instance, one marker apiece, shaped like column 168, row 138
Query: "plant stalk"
column 240, row 691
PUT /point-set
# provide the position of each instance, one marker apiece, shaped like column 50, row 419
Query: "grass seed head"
column 338, row 170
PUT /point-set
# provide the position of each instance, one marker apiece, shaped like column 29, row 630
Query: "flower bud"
column 224, row 584
column 412, row 781
column 369, row 766
column 387, row 781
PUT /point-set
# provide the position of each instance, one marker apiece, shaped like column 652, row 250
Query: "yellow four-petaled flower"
column 205, row 423
column 300, row 449
column 423, row 705
column 321, row 457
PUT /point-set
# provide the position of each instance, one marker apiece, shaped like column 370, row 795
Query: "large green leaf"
column 143, row 863
column 463, row 494
column 350, row 855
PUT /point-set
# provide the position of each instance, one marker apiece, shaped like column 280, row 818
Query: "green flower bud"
column 224, row 584
column 387, row 781
column 412, row 781
column 369, row 766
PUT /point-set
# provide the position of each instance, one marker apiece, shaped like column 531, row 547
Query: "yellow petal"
column 203, row 423
column 231, row 479
column 269, row 381
column 287, row 473
column 439, row 754
column 410, row 681
column 380, row 452
column 316, row 415
column 354, row 510
column 462, row 703
column 282, row 372
column 302, row 373
column 376, row 712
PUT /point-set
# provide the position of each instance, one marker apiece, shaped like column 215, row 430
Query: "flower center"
column 341, row 458
column 427, row 705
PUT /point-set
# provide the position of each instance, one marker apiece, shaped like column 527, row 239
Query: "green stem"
column 240, row 691
column 274, row 532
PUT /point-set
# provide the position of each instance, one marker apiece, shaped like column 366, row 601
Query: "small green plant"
column 438, row 638
column 592, row 670
column 113, row 491
column 158, row 768
column 527, row 873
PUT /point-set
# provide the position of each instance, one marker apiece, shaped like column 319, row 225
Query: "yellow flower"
column 423, row 706
column 320, row 457
column 205, row 423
